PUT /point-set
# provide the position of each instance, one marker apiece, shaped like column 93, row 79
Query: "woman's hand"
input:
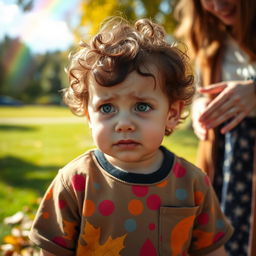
column 198, row 107
column 235, row 100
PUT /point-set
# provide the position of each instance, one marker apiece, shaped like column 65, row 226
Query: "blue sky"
column 42, row 30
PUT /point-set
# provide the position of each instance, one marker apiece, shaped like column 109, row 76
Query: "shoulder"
column 191, row 173
column 78, row 168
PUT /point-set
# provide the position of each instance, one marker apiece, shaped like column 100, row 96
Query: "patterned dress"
column 233, row 176
column 233, row 181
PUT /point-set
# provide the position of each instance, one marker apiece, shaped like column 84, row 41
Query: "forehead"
column 134, row 84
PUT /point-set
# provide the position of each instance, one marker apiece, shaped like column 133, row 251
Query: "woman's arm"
column 198, row 107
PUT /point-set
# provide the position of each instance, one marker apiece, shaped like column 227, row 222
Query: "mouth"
column 127, row 143
column 230, row 13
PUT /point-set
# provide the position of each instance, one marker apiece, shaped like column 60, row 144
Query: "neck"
column 146, row 166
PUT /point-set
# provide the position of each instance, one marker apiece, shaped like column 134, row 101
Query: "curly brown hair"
column 120, row 48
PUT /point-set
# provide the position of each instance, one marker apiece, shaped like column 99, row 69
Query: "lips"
column 228, row 14
column 126, row 143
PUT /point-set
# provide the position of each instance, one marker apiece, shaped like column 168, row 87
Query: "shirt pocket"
column 175, row 229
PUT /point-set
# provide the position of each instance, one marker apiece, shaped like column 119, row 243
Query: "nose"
column 124, row 124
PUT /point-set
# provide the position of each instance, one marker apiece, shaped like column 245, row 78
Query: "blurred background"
column 38, row 134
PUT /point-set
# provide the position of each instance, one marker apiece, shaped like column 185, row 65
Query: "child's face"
column 128, row 120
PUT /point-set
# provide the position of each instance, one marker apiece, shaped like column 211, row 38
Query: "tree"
column 94, row 12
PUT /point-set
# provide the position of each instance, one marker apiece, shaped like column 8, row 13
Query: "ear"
column 174, row 114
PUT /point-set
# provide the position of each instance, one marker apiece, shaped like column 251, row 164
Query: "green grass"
column 35, row 111
column 30, row 155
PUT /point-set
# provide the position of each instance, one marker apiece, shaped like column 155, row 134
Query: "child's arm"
column 219, row 252
column 45, row 253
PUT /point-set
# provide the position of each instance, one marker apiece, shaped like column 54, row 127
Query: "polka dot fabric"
column 233, row 181
column 88, row 211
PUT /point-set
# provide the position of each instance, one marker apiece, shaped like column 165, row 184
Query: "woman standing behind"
column 222, row 37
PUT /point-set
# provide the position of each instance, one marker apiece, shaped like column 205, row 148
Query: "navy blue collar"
column 154, row 177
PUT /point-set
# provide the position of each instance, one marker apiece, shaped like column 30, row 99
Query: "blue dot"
column 130, row 225
column 181, row 194
column 219, row 223
column 96, row 186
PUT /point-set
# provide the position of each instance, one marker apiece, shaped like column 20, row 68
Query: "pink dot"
column 62, row 203
column 153, row 202
column 140, row 191
column 151, row 226
column 60, row 241
column 218, row 236
column 203, row 219
column 106, row 207
column 207, row 180
column 179, row 171
column 78, row 182
column 148, row 249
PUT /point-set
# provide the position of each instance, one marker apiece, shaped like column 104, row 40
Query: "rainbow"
column 17, row 59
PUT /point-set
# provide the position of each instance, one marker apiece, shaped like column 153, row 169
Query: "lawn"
column 31, row 154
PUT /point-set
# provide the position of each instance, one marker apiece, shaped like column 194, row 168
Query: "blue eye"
column 107, row 108
column 142, row 107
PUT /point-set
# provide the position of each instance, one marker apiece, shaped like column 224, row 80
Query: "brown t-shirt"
column 92, row 208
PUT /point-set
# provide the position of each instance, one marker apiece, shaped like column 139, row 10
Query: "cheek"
column 99, row 131
column 154, row 133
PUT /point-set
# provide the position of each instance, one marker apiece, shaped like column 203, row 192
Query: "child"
column 130, row 196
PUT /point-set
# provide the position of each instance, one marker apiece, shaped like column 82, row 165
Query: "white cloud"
column 43, row 32
column 37, row 29
column 10, row 16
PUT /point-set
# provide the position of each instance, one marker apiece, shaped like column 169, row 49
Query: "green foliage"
column 28, row 77
column 94, row 12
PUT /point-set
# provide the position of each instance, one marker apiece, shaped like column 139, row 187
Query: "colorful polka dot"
column 46, row 215
column 140, row 191
column 135, row 207
column 207, row 180
column 78, row 182
column 179, row 171
column 153, row 202
column 220, row 224
column 60, row 241
column 162, row 184
column 203, row 219
column 61, row 203
column 89, row 208
column 181, row 194
column 96, row 185
column 151, row 226
column 199, row 197
column 218, row 236
column 49, row 194
column 130, row 225
column 106, row 207
column 148, row 249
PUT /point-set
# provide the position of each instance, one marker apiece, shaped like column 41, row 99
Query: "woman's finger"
column 214, row 88
column 215, row 106
column 233, row 123
column 221, row 118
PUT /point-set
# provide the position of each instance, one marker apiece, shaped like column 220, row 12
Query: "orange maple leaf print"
column 69, row 229
column 180, row 235
column 91, row 236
